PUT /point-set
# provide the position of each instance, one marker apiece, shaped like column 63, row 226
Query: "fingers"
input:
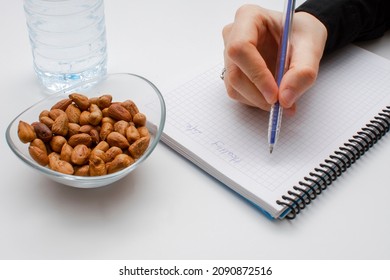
column 251, row 45
column 240, row 88
column 248, row 78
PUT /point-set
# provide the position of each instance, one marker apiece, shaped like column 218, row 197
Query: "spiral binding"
column 336, row 164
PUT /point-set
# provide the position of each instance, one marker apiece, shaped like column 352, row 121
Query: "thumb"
column 297, row 80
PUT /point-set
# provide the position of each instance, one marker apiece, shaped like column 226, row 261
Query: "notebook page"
column 229, row 140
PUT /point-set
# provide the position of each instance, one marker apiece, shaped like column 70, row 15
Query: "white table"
column 168, row 208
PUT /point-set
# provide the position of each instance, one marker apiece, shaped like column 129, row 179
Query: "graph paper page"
column 229, row 139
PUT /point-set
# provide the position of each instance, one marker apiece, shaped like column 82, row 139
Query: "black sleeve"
column 349, row 20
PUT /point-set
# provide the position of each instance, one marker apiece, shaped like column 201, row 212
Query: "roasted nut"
column 40, row 144
column 38, row 152
column 106, row 129
column 131, row 107
column 93, row 100
column 137, row 149
column 55, row 113
column 47, row 121
column 60, row 125
column 60, row 165
column 81, row 138
column 57, row 142
column 97, row 166
column 121, row 127
column 143, row 131
column 118, row 140
column 73, row 113
column 102, row 145
column 80, row 154
column 118, row 112
column 80, row 100
column 84, row 118
column 95, row 115
column 108, row 119
column 104, row 101
column 139, row 119
column 81, row 170
column 112, row 152
column 26, row 132
column 73, row 128
column 62, row 104
column 44, row 113
column 99, row 153
column 120, row 162
column 86, row 128
column 42, row 131
column 66, row 152
column 105, row 112
column 94, row 136
column 132, row 134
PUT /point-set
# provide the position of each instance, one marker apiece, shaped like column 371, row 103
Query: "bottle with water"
column 68, row 40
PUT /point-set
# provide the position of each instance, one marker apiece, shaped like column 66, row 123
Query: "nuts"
column 26, row 132
column 87, row 136
column 118, row 140
column 118, row 112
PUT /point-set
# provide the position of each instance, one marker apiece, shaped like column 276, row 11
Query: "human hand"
column 251, row 47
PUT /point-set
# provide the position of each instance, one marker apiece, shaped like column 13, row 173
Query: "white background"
column 168, row 208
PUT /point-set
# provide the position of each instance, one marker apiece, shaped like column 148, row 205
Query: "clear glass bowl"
column 121, row 86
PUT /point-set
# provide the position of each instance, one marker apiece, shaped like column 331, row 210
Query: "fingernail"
column 270, row 98
column 288, row 98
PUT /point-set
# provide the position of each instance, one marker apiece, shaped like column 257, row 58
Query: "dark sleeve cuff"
column 349, row 20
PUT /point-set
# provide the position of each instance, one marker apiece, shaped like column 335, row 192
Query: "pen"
column 275, row 118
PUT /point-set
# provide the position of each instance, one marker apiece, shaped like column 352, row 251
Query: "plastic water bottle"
column 68, row 40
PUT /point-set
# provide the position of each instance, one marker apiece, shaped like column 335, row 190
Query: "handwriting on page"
column 223, row 150
column 192, row 129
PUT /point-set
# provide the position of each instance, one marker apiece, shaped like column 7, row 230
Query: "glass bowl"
column 121, row 86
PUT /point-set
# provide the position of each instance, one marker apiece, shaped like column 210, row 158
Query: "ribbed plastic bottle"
column 68, row 40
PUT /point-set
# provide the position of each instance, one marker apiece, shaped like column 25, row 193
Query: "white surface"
column 169, row 209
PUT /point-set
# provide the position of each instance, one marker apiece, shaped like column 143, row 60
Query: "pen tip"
column 271, row 149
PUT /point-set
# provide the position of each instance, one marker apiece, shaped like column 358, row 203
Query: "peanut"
column 118, row 140
column 139, row 147
column 81, row 100
column 120, row 162
column 132, row 134
column 60, row 125
column 62, row 104
column 80, row 154
column 66, row 152
column 104, row 101
column 121, row 127
column 139, row 119
column 131, row 107
column 60, row 165
column 38, row 153
column 81, row 170
column 73, row 113
column 57, row 142
column 26, row 132
column 97, row 166
column 42, row 131
column 96, row 114
column 118, row 112
column 106, row 129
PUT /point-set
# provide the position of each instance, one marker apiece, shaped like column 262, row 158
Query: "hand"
column 251, row 47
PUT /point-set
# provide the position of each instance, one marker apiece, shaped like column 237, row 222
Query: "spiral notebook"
column 337, row 121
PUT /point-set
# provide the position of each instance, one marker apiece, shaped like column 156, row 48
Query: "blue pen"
column 276, row 113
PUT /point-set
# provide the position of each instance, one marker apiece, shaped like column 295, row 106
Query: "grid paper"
column 352, row 87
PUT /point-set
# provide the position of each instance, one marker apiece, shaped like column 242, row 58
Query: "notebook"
column 340, row 118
